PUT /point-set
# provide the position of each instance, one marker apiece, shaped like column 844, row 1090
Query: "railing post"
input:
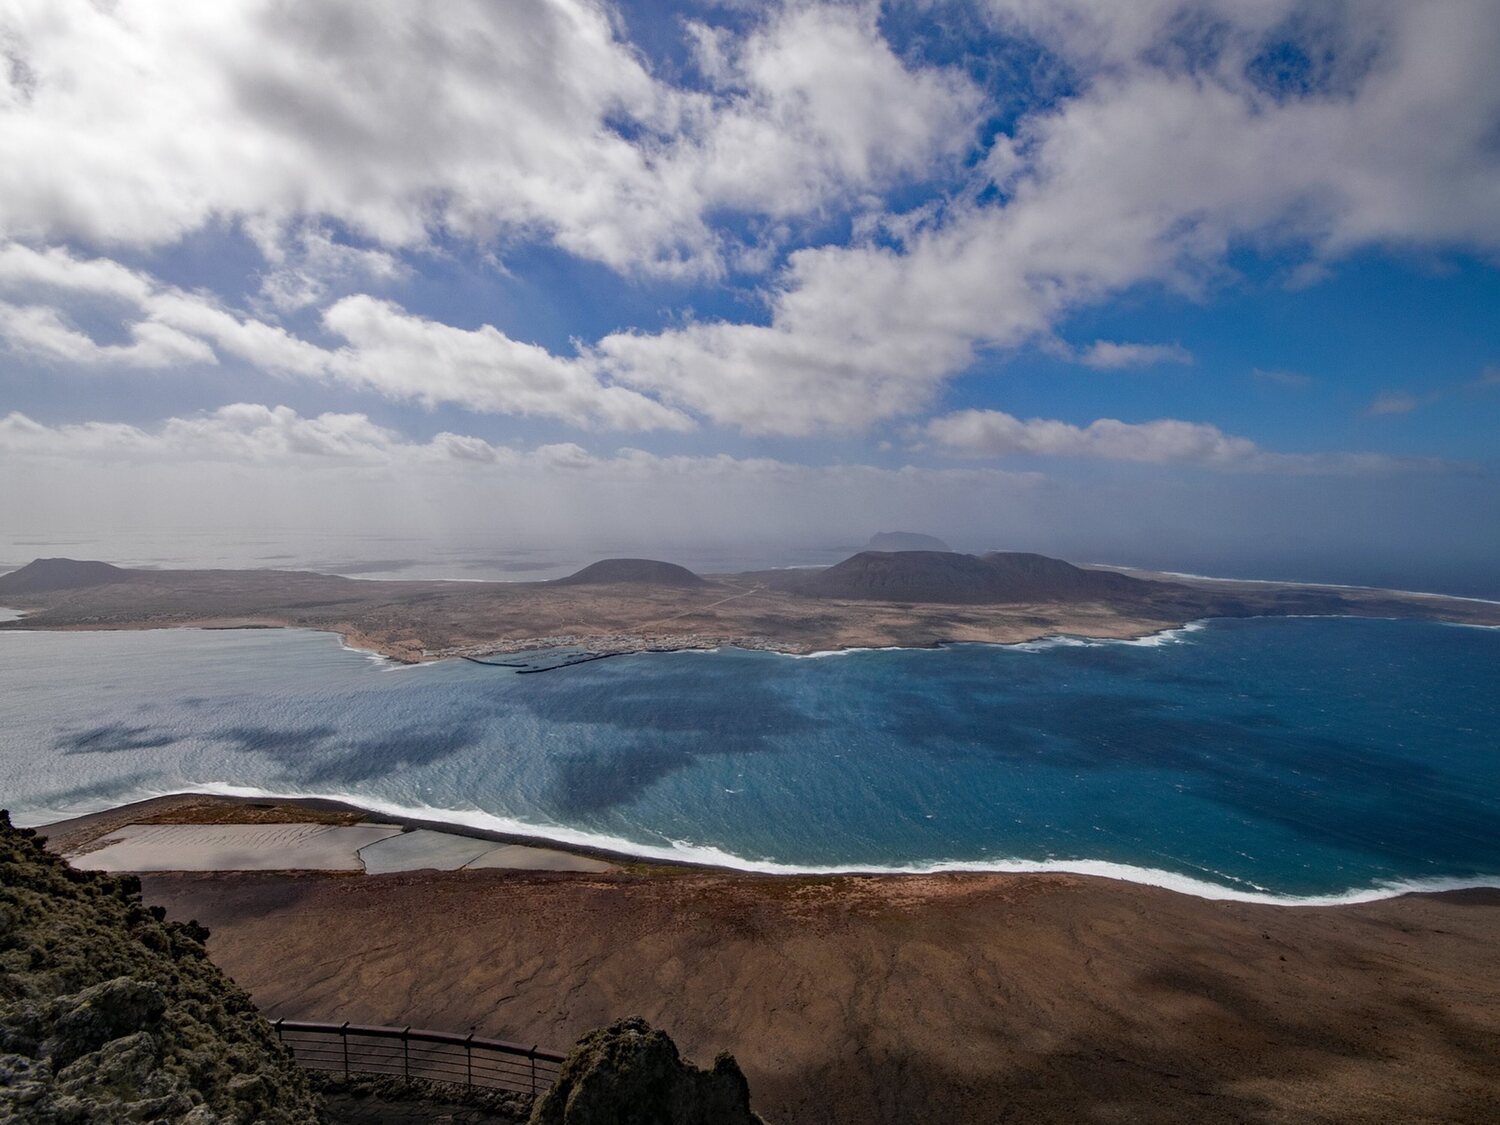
column 344, row 1035
column 469, row 1059
column 277, row 1026
column 531, row 1054
column 406, row 1052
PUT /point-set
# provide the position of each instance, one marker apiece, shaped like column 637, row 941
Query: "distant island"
column 872, row 599
column 905, row 541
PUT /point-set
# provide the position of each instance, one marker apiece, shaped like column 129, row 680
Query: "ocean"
column 1298, row 760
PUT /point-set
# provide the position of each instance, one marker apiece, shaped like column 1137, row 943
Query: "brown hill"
column 938, row 576
column 42, row 575
column 645, row 572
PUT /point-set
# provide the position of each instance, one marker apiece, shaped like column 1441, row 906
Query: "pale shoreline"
column 709, row 860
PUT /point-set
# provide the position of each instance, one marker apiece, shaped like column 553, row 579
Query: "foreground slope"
column 958, row 999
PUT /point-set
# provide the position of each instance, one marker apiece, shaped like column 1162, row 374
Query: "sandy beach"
column 965, row 998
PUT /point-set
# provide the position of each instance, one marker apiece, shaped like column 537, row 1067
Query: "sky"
column 1195, row 284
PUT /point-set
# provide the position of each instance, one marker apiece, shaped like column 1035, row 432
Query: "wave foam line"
column 1172, row 635
column 706, row 855
column 1293, row 582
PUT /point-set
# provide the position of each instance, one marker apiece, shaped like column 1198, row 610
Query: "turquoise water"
column 1311, row 758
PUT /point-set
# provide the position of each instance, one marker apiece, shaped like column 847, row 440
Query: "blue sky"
column 707, row 272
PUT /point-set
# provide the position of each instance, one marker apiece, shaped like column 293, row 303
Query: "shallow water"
column 1312, row 758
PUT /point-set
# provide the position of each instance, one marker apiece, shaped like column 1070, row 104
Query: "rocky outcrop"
column 43, row 575
column 110, row 1013
column 644, row 572
column 631, row 1074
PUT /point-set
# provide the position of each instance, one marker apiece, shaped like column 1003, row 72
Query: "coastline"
column 589, row 648
column 418, row 622
column 854, row 998
column 82, row 829
column 599, row 646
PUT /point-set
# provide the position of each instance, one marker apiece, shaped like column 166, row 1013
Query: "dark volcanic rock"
column 109, row 1014
column 42, row 575
column 905, row 541
column 113, row 1009
column 935, row 576
column 630, row 1074
column 648, row 572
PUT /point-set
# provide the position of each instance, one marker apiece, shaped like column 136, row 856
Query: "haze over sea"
column 1303, row 758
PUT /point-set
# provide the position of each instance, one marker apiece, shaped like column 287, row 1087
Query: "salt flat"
column 424, row 849
column 234, row 847
column 522, row 857
column 376, row 849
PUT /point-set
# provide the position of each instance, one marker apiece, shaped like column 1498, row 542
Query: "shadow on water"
column 113, row 738
column 673, row 720
column 326, row 755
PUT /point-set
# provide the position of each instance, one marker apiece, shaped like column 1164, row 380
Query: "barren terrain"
column 424, row 620
column 961, row 998
column 947, row 998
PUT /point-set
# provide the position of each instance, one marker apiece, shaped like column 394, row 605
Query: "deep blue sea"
column 1287, row 758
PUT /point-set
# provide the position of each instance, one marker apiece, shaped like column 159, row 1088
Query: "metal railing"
column 409, row 1052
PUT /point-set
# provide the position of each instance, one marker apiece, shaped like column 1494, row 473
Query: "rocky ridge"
column 110, row 1013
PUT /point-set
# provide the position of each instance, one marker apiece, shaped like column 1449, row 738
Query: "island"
column 873, row 599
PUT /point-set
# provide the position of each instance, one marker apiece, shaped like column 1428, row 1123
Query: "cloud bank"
column 1352, row 126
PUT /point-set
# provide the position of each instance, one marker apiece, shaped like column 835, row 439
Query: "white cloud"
column 242, row 432
column 168, row 326
column 1392, row 402
column 1106, row 355
column 278, row 436
column 409, row 357
column 995, row 433
column 41, row 331
column 1166, row 441
column 1294, row 380
column 816, row 102
column 139, row 122
column 386, row 349
column 1154, row 172
column 306, row 264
